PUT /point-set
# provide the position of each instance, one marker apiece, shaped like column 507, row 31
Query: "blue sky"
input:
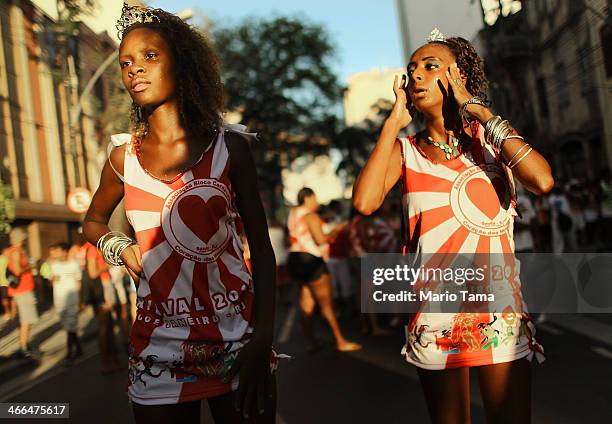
column 366, row 34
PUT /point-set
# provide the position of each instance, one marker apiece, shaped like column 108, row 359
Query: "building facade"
column 365, row 91
column 45, row 155
column 547, row 67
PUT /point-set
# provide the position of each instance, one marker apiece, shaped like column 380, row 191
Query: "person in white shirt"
column 66, row 278
column 563, row 226
column 116, row 293
column 523, row 225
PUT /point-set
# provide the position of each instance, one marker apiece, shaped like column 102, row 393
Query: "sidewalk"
column 48, row 337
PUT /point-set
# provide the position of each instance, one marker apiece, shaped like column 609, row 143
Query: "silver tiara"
column 132, row 15
column 435, row 35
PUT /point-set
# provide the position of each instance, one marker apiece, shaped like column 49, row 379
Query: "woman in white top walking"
column 306, row 266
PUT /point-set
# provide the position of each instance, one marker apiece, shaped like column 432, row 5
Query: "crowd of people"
column 204, row 326
column 576, row 216
column 70, row 279
column 320, row 248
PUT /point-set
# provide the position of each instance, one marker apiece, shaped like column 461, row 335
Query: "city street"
column 180, row 142
column 370, row 386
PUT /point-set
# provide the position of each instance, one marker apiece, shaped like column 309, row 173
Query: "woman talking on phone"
column 458, row 198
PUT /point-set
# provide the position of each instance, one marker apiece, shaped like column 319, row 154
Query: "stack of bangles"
column 497, row 131
column 463, row 112
column 111, row 245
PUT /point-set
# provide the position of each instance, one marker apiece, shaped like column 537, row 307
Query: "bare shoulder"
column 241, row 157
column 311, row 216
column 238, row 143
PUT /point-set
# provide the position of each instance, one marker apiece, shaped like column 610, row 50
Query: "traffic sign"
column 78, row 200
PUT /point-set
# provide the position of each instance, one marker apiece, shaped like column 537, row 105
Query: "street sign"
column 78, row 200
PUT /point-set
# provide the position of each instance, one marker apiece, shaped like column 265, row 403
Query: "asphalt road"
column 573, row 385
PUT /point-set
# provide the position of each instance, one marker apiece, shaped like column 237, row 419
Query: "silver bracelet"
column 521, row 158
column 523, row 147
column 516, row 136
column 492, row 128
column 501, row 147
column 499, row 134
column 463, row 108
column 497, row 131
column 111, row 245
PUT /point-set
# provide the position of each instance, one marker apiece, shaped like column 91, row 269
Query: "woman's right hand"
column 132, row 262
column 400, row 112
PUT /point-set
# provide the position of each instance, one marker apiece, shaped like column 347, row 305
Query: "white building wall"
column 462, row 18
column 104, row 18
column 49, row 115
column 364, row 90
column 30, row 142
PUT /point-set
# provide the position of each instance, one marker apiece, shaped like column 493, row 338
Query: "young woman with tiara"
column 458, row 198
column 204, row 325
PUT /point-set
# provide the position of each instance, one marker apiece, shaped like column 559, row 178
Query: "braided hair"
column 199, row 90
column 470, row 65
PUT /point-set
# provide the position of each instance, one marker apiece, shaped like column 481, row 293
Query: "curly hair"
column 199, row 91
column 470, row 65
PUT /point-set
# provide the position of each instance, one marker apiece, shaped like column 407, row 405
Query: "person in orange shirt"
column 8, row 306
column 22, row 289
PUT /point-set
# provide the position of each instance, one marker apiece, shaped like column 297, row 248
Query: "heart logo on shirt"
column 486, row 196
column 201, row 216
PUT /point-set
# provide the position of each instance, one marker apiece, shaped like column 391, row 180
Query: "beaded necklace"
column 449, row 149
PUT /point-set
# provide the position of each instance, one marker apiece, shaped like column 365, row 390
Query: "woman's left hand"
column 456, row 84
column 255, row 384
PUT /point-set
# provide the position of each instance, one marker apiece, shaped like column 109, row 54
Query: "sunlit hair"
column 198, row 87
column 469, row 63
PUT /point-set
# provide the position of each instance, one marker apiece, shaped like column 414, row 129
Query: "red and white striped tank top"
column 195, row 300
column 299, row 235
column 463, row 206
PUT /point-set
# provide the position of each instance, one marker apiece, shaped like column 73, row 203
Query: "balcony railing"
column 516, row 46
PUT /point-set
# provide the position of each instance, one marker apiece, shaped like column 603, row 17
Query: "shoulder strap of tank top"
column 237, row 128
column 121, row 139
column 117, row 140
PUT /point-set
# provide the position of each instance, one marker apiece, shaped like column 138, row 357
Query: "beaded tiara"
column 436, row 36
column 132, row 15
